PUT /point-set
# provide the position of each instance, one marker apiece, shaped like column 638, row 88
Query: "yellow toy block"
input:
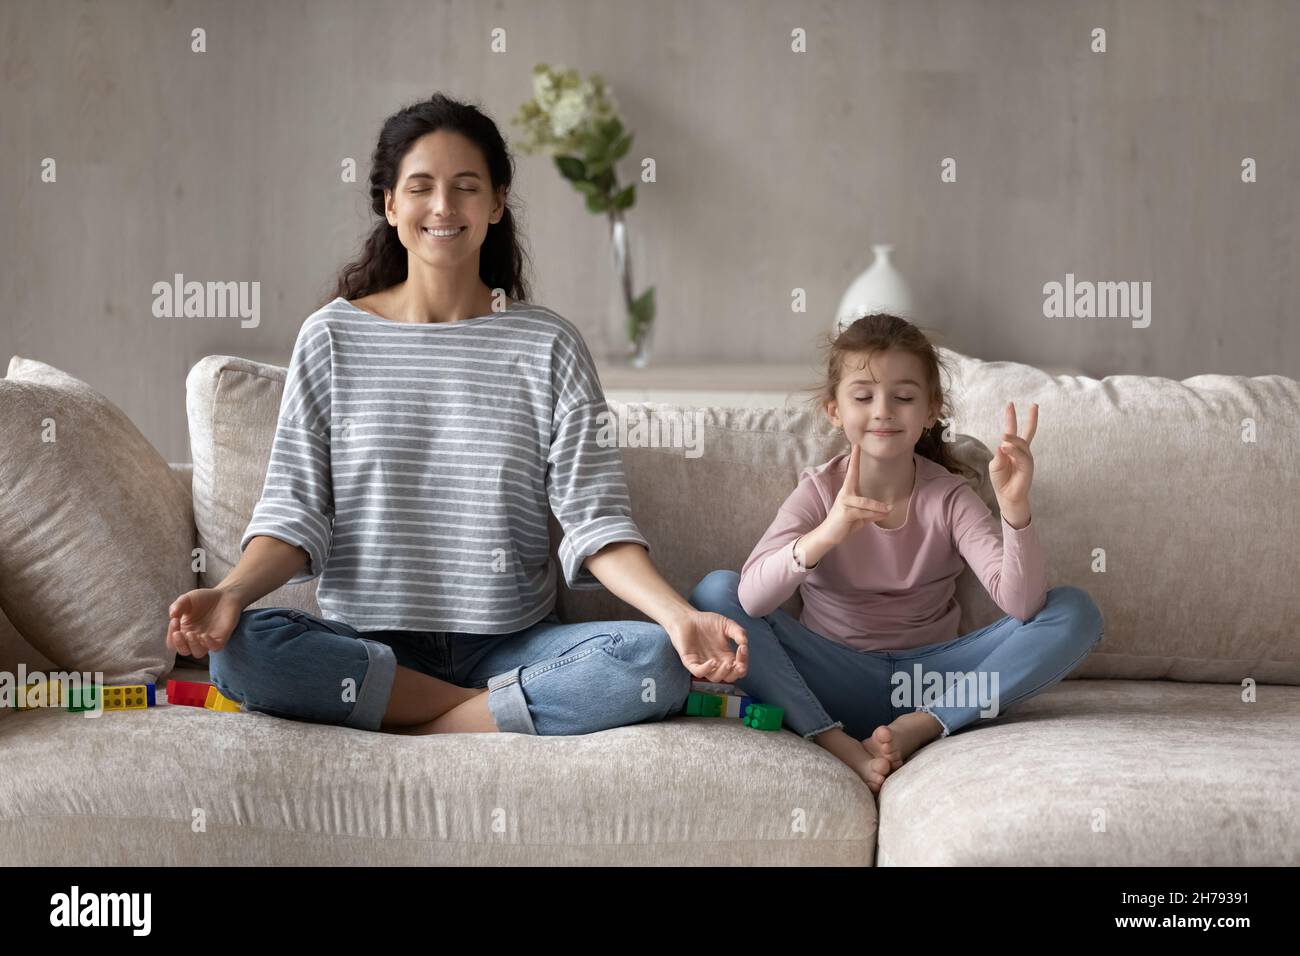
column 128, row 696
column 216, row 701
column 40, row 693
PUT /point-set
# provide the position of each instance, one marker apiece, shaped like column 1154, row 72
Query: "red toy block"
column 188, row 693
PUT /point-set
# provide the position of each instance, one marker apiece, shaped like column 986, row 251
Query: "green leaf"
column 597, row 202
column 611, row 129
column 625, row 198
column 641, row 312
column 571, row 167
column 648, row 304
column 587, row 187
column 620, row 147
column 590, row 141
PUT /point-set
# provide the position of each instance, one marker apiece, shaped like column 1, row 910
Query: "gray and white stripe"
column 415, row 464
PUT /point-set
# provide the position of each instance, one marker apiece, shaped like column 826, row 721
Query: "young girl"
column 874, row 540
column 430, row 418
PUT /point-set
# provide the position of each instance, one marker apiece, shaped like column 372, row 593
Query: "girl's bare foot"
column 872, row 770
column 897, row 741
column 874, row 773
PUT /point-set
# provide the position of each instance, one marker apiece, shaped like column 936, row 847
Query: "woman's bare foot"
column 897, row 741
column 872, row 770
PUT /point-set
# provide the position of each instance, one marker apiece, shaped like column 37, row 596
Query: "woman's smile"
column 442, row 238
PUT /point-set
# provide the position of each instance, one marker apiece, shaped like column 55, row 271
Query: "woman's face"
column 890, row 395
column 443, row 184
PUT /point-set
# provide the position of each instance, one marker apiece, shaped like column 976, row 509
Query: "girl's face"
column 443, row 184
column 884, row 408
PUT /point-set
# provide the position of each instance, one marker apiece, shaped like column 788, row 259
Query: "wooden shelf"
column 745, row 385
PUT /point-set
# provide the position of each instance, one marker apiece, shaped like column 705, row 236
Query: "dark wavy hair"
column 880, row 332
column 383, row 259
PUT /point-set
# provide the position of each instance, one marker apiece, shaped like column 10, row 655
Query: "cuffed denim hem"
column 838, row 723
column 376, row 687
column 929, row 709
column 508, row 705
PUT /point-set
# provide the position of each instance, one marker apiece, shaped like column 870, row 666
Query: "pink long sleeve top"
column 892, row 589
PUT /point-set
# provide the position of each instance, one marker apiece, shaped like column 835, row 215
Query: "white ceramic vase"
column 881, row 288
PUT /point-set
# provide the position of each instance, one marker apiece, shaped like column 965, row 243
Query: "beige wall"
column 775, row 171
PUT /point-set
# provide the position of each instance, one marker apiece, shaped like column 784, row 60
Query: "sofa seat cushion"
column 1178, row 774
column 274, row 791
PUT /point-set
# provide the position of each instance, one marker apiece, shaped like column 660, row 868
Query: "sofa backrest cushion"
column 232, row 405
column 1148, row 478
column 96, row 531
column 1175, row 504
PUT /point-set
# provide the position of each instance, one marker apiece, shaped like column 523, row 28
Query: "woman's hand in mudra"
column 702, row 640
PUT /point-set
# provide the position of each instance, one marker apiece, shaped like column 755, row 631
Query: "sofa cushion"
column 1196, row 524
column 15, row 650
column 1106, row 773
column 688, row 791
column 706, row 512
column 232, row 405
column 97, row 531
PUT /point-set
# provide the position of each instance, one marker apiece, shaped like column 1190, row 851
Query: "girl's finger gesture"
column 850, row 511
column 1012, row 467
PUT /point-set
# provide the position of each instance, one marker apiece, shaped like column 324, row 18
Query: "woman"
column 430, row 417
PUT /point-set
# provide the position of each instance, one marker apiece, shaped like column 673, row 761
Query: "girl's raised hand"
column 850, row 510
column 1012, row 467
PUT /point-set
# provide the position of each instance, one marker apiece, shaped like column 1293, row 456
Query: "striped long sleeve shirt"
column 415, row 464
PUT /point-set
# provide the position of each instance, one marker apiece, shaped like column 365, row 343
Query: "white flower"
column 568, row 113
column 543, row 87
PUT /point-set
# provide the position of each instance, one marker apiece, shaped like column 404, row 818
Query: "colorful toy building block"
column 42, row 692
column 734, row 705
column 704, row 705
column 128, row 696
column 85, row 697
column 699, row 704
column 216, row 701
column 764, row 716
column 187, row 693
column 39, row 692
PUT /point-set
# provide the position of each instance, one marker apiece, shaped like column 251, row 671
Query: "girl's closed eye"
column 868, row 398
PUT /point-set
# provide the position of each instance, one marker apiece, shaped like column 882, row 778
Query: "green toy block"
column 704, row 705
column 86, row 697
column 764, row 716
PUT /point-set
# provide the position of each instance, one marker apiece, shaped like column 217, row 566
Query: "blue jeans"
column 547, row 679
column 822, row 683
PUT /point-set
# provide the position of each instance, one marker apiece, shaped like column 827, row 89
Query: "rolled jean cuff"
column 831, row 726
column 376, row 687
column 929, row 709
column 507, row 703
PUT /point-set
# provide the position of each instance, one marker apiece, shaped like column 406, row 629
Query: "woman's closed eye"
column 868, row 398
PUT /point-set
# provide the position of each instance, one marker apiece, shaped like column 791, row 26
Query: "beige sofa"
column 1176, row 742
